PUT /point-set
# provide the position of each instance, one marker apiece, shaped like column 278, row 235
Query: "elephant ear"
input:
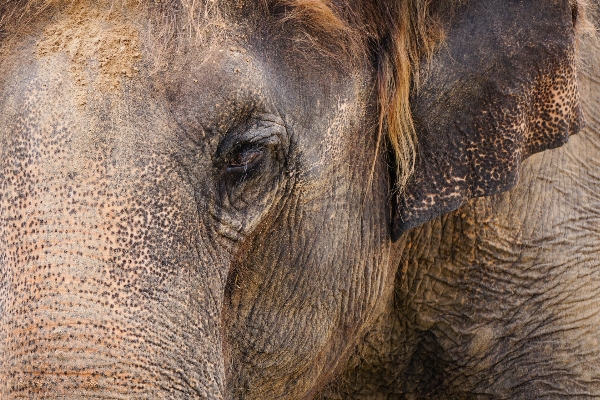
column 500, row 88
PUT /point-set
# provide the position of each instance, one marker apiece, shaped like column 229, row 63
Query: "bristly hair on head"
column 396, row 34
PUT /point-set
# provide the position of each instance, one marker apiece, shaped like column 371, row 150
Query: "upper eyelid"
column 270, row 118
column 262, row 133
column 282, row 133
column 257, row 130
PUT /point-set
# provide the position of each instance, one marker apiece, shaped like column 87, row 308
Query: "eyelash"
column 244, row 157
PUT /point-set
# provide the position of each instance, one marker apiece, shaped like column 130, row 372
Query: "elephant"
column 301, row 199
column 500, row 298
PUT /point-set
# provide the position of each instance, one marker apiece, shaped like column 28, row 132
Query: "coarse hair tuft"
column 396, row 35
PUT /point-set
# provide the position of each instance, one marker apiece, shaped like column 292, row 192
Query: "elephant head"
column 204, row 199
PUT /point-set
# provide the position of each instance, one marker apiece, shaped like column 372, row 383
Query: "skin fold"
column 500, row 298
column 212, row 213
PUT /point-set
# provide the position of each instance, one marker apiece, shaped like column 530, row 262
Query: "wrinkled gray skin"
column 224, row 230
column 500, row 298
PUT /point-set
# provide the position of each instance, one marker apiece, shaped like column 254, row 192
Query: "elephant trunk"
column 83, row 314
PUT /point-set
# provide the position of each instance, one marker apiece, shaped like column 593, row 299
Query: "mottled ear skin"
column 500, row 88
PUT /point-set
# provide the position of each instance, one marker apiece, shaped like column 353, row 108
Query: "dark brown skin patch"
column 223, row 228
column 487, row 105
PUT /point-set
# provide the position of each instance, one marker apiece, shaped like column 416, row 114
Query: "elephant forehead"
column 91, row 38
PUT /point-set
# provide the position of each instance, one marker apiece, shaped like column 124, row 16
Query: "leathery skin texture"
column 500, row 298
column 124, row 214
column 89, row 298
column 211, row 213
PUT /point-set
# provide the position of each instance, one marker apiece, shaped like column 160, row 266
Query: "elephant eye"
column 251, row 151
column 245, row 159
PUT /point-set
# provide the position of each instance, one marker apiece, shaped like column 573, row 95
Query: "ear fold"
column 500, row 88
